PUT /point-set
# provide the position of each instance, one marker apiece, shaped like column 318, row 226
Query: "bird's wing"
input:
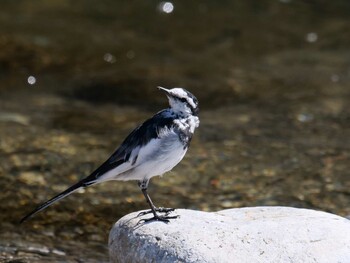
column 120, row 161
column 124, row 158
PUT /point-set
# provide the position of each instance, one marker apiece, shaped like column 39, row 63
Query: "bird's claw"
column 160, row 218
column 159, row 209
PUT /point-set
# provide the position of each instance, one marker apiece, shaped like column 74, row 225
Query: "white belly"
column 156, row 158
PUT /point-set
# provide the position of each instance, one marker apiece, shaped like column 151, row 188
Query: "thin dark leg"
column 165, row 218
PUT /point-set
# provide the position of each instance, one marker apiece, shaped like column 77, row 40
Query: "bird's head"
column 181, row 101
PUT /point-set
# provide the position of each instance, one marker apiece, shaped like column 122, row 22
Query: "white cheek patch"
column 191, row 102
column 180, row 93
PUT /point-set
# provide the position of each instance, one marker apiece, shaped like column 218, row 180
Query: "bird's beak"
column 167, row 92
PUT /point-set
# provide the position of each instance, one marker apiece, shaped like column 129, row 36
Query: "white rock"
column 257, row 234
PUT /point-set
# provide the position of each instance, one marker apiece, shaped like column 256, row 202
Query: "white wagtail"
column 153, row 148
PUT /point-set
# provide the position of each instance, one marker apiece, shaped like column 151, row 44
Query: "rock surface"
column 257, row 234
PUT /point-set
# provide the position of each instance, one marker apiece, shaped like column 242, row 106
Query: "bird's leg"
column 143, row 185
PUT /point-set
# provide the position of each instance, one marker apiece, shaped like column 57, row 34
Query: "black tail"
column 82, row 184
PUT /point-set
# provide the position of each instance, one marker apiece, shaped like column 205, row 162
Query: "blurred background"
column 272, row 78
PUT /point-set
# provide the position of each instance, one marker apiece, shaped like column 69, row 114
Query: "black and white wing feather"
column 122, row 160
column 126, row 155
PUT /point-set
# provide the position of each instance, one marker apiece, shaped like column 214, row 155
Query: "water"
column 272, row 78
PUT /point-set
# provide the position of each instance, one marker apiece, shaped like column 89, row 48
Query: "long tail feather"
column 58, row 197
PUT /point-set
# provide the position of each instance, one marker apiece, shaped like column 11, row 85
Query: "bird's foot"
column 157, row 209
column 162, row 218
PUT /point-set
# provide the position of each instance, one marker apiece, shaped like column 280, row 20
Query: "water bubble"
column 166, row 7
column 108, row 57
column 311, row 37
column 335, row 78
column 305, row 117
column 31, row 80
column 130, row 54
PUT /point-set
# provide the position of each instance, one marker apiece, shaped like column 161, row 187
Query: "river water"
column 272, row 78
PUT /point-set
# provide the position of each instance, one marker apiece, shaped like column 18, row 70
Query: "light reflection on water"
column 166, row 7
column 311, row 37
column 273, row 93
column 31, row 80
column 108, row 57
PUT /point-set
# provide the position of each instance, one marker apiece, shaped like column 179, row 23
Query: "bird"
column 151, row 149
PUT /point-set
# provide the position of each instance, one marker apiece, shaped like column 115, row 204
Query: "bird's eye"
column 183, row 100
